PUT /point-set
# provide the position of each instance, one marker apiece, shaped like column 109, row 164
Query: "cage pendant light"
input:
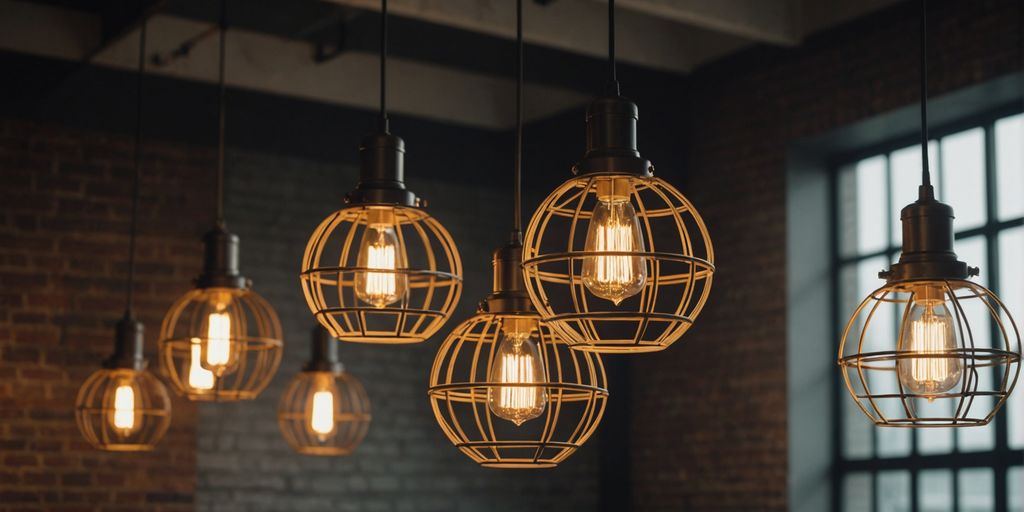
column 122, row 406
column 616, row 259
column 381, row 269
column 324, row 410
column 505, row 388
column 221, row 341
column 956, row 355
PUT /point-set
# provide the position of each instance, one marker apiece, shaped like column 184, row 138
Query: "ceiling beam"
column 766, row 21
column 578, row 27
column 276, row 65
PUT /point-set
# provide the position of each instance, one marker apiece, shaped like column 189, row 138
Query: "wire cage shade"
column 575, row 386
column 677, row 258
column 426, row 289
column 250, row 342
column 324, row 413
column 891, row 359
column 120, row 409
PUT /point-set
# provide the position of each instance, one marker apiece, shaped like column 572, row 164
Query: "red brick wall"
column 63, row 258
column 709, row 415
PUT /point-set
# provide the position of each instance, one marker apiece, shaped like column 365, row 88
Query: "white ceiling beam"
column 286, row 67
column 766, row 21
column 577, row 26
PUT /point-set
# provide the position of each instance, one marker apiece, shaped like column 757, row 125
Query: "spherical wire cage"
column 576, row 389
column 985, row 360
column 255, row 344
column 678, row 257
column 339, row 428
column 122, row 409
column 432, row 276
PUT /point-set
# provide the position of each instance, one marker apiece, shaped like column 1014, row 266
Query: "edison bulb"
column 519, row 369
column 219, row 354
column 929, row 336
column 123, row 413
column 321, row 406
column 614, row 228
column 198, row 377
column 380, row 248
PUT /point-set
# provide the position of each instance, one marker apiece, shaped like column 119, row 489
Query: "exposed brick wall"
column 64, row 216
column 709, row 415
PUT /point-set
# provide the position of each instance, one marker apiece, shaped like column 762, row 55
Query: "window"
column 977, row 168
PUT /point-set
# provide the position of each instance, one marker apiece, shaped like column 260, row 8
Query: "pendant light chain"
column 130, row 288
column 926, row 178
column 613, row 77
column 221, row 94
column 518, row 174
column 383, row 121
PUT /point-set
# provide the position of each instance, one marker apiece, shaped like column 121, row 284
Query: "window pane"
column 1010, row 166
column 905, row 178
column 857, row 493
column 862, row 195
column 976, row 490
column 931, row 441
column 935, row 491
column 1011, row 290
column 893, row 491
column 1015, row 489
column 963, row 176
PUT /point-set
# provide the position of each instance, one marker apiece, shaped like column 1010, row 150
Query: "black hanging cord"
column 222, row 92
column 383, row 121
column 130, row 289
column 517, row 220
column 613, row 78
column 926, row 178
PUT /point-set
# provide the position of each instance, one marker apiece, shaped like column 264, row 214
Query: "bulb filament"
column 520, row 371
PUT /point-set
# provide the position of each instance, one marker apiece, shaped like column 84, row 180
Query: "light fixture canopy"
column 381, row 269
column 324, row 410
column 221, row 341
column 956, row 356
column 617, row 260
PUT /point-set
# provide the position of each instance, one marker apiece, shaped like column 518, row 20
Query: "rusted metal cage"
column 892, row 380
column 675, row 252
column 324, row 413
column 123, row 409
column 220, row 344
column 422, row 272
column 574, row 385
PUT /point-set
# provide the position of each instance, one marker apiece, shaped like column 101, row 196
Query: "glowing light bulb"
column 198, row 377
column 381, row 249
column 928, row 334
column 320, row 406
column 614, row 228
column 518, row 367
column 218, row 339
column 123, row 416
column 321, row 416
